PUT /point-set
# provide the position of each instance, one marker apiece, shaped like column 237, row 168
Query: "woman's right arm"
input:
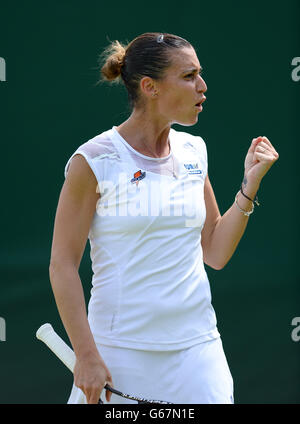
column 75, row 211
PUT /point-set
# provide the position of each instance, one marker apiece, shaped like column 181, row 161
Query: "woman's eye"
column 193, row 75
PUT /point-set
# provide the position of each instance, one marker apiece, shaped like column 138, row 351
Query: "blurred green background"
column 50, row 104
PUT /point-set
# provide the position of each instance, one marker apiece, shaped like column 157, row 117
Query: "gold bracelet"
column 246, row 213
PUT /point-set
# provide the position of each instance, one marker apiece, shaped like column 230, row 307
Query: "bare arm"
column 75, row 211
column 221, row 234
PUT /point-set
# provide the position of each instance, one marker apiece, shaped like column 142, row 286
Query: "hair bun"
column 114, row 59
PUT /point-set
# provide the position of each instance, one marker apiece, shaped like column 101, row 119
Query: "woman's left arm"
column 221, row 234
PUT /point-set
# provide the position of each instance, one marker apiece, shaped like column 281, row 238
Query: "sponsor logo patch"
column 193, row 168
column 138, row 176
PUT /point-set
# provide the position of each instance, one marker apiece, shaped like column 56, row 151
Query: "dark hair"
column 146, row 55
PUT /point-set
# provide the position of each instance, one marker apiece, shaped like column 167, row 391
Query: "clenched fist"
column 259, row 159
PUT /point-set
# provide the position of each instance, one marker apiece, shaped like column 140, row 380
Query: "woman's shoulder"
column 93, row 150
column 97, row 146
column 187, row 140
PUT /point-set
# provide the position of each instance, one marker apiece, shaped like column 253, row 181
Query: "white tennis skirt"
column 197, row 375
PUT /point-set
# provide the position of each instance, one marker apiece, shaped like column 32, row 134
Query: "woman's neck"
column 146, row 135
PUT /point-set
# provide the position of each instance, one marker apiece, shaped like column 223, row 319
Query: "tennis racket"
column 55, row 343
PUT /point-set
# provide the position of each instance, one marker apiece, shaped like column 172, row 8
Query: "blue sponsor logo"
column 192, row 168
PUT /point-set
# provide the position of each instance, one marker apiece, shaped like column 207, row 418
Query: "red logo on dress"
column 138, row 176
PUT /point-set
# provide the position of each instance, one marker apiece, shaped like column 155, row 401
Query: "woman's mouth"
column 199, row 104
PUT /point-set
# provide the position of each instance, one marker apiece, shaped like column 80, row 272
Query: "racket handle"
column 47, row 335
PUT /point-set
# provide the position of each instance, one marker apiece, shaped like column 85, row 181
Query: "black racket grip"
column 107, row 387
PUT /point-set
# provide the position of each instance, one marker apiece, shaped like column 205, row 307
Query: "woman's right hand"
column 91, row 375
column 75, row 212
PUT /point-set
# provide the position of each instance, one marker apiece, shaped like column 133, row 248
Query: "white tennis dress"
column 150, row 309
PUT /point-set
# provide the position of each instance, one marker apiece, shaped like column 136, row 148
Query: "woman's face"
column 181, row 91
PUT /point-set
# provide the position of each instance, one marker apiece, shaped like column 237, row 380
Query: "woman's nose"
column 201, row 86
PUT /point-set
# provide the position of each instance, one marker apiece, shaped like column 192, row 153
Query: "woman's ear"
column 148, row 88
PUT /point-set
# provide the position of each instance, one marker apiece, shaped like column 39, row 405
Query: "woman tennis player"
column 141, row 194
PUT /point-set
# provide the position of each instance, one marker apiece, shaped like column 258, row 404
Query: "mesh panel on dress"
column 101, row 146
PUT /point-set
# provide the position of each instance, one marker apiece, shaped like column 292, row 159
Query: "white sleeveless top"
column 149, row 290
